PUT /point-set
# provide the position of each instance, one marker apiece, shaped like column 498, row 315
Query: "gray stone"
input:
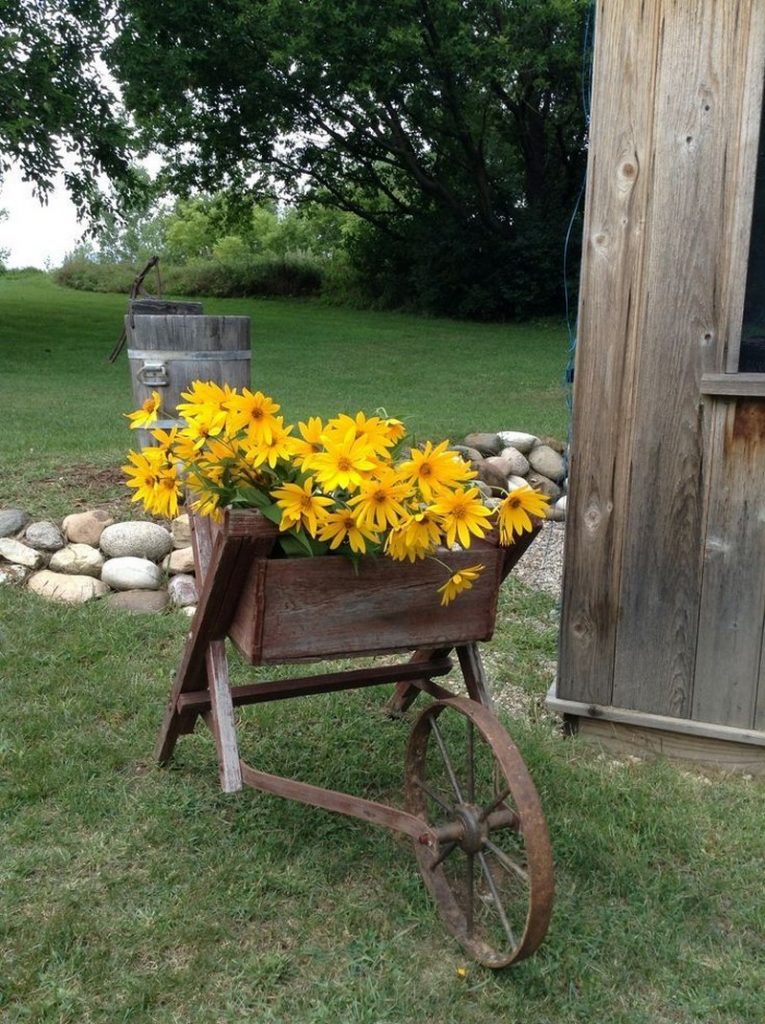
column 137, row 540
column 548, row 462
column 545, row 485
column 555, row 443
column 491, row 476
column 181, row 531
column 519, row 464
column 486, row 444
column 183, row 591
column 60, row 587
column 86, row 527
column 189, row 610
column 468, row 454
column 483, row 488
column 78, row 560
column 130, row 573
column 139, row 602
column 180, row 560
column 12, row 521
column 12, row 574
column 519, row 440
column 44, row 536
column 514, row 482
column 557, row 511
column 20, row 554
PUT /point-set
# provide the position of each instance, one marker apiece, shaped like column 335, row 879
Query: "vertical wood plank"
column 697, row 101
column 626, row 44
column 734, row 250
column 733, row 592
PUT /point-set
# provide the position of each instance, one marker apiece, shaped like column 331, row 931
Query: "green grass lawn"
column 62, row 401
column 142, row 895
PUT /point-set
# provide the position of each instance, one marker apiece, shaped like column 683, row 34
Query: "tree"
column 56, row 112
column 452, row 128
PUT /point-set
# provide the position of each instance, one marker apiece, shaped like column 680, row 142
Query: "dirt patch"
column 84, row 486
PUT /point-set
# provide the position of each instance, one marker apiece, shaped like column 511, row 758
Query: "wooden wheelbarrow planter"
column 471, row 807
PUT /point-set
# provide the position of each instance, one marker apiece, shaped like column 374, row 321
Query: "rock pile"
column 145, row 567
column 510, row 458
column 136, row 566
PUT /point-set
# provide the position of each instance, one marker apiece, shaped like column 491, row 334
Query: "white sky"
column 36, row 233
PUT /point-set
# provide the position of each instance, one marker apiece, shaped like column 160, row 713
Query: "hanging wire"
column 586, row 77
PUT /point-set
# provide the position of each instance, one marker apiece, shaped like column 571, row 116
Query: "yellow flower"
column 343, row 462
column 311, row 433
column 301, row 506
column 461, row 580
column 206, row 422
column 461, row 513
column 277, row 446
column 344, row 526
column 256, row 412
column 204, row 394
column 143, row 473
column 396, row 429
column 167, row 493
column 415, row 537
column 372, row 429
column 166, row 441
column 515, row 512
column 435, row 469
column 379, row 501
column 147, row 414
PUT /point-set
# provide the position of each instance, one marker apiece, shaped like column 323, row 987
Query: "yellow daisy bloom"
column 415, row 537
column 147, row 414
column 435, row 469
column 396, row 429
column 167, row 492
column 204, row 393
column 301, row 506
column 344, row 526
column 515, row 512
column 461, row 513
column 277, row 446
column 207, row 422
column 166, row 441
column 311, row 433
column 379, row 502
column 255, row 412
column 372, row 429
column 343, row 463
column 461, row 580
column 143, row 473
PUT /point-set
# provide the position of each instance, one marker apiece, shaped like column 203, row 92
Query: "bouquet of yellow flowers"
column 350, row 485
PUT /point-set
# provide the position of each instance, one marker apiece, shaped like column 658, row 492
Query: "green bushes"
column 294, row 275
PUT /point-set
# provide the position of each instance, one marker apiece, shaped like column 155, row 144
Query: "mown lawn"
column 62, row 401
column 143, row 895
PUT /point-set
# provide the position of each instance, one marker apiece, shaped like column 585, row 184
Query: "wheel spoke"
column 447, row 762
column 470, row 891
column 495, row 803
column 495, row 896
column 445, row 851
column 442, row 802
column 505, row 861
column 470, row 758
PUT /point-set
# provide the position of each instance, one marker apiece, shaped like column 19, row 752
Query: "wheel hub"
column 474, row 830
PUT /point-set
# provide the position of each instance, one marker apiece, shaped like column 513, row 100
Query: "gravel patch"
column 542, row 565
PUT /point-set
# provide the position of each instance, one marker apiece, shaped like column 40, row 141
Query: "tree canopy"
column 56, row 112
column 452, row 128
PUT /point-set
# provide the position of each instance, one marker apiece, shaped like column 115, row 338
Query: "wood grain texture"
column 697, row 100
column 734, row 385
column 189, row 335
column 631, row 740
column 322, row 607
column 618, row 197
column 732, row 609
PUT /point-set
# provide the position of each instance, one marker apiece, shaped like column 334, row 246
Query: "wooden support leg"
column 475, row 675
column 221, row 717
column 406, row 693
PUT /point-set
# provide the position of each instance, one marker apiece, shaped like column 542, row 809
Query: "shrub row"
column 292, row 275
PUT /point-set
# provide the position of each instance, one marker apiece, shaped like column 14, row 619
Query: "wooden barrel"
column 158, row 307
column 166, row 353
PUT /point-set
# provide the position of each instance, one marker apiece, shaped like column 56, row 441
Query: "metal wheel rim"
column 532, row 826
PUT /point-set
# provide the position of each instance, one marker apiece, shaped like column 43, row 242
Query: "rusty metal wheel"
column 491, row 870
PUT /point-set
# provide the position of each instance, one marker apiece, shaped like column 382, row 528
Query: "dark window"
column 752, row 357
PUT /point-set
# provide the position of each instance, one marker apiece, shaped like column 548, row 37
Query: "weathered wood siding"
column 655, row 471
